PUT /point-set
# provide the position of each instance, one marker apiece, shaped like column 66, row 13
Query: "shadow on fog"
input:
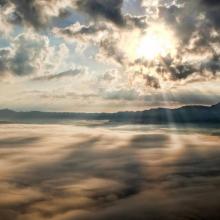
column 68, row 173
column 17, row 141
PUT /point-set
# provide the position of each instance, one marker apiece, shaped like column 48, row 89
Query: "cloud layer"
column 72, row 172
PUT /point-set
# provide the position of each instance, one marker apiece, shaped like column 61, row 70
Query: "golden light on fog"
column 157, row 41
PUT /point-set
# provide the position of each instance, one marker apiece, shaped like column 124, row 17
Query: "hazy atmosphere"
column 64, row 172
column 109, row 109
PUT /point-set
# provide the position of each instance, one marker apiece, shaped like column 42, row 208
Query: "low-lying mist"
column 67, row 172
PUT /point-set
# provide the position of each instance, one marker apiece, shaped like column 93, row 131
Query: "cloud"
column 191, row 17
column 194, row 25
column 42, row 14
column 34, row 13
column 108, row 9
column 121, row 94
column 212, row 65
column 108, row 48
column 105, row 37
column 5, row 26
column 85, row 33
column 211, row 9
column 75, row 172
column 188, row 21
column 133, row 21
column 4, row 59
column 176, row 71
column 151, row 81
column 68, row 73
column 111, row 32
column 30, row 54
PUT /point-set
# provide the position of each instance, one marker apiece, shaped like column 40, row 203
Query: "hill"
column 185, row 114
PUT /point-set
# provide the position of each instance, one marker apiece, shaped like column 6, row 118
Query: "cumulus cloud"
column 109, row 9
column 34, row 13
column 151, row 81
column 5, row 26
column 189, row 21
column 111, row 32
column 30, row 54
column 40, row 14
column 211, row 9
column 191, row 25
column 194, row 24
column 85, row 33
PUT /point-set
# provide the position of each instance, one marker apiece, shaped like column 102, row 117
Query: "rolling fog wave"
column 67, row 172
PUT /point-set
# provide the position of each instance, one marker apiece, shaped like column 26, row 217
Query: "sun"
column 158, row 41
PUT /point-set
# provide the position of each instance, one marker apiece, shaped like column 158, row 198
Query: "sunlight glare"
column 158, row 41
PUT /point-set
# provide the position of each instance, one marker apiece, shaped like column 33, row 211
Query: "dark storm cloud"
column 211, row 8
column 169, row 69
column 3, row 2
column 181, row 20
column 212, row 66
column 34, row 13
column 38, row 14
column 27, row 11
column 176, row 71
column 108, row 9
column 193, row 18
column 211, row 3
column 181, row 71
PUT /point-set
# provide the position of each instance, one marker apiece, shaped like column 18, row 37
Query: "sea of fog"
column 100, row 171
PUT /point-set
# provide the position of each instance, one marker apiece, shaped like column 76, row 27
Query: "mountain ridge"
column 184, row 114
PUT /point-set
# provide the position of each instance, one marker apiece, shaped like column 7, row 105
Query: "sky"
column 108, row 55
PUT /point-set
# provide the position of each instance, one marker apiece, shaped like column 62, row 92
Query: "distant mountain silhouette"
column 185, row 114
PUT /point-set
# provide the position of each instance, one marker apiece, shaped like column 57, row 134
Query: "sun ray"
column 175, row 138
